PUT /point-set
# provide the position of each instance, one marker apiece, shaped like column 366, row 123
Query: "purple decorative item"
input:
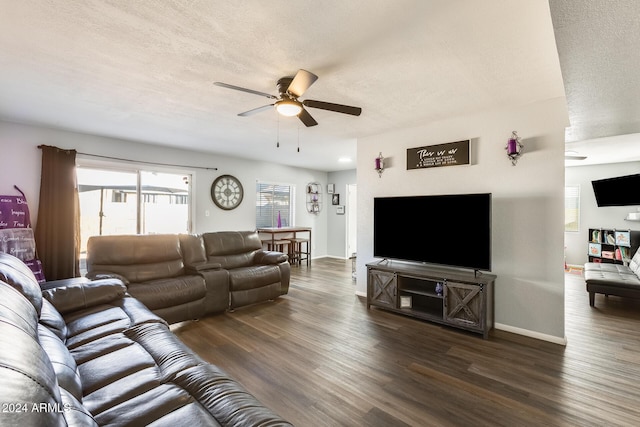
column 514, row 148
column 14, row 211
column 18, row 242
column 16, row 234
column 279, row 220
column 439, row 288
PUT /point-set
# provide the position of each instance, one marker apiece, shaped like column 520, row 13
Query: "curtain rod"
column 140, row 161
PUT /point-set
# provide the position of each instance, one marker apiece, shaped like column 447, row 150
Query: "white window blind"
column 271, row 200
column 572, row 208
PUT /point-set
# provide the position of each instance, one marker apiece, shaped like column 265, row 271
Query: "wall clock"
column 227, row 192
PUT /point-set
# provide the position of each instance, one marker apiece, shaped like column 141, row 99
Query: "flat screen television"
column 452, row 230
column 618, row 191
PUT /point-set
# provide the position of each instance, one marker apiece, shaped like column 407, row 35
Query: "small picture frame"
column 331, row 188
column 405, row 302
column 335, row 199
column 340, row 210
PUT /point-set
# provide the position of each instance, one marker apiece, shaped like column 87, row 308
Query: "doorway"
column 352, row 225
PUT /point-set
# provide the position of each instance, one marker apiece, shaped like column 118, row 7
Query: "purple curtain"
column 58, row 226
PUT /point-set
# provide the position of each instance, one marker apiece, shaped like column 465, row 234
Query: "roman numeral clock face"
column 226, row 192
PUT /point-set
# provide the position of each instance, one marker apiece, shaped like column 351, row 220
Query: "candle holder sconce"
column 379, row 162
column 514, row 148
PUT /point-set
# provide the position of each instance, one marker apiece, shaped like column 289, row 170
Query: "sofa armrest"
column 202, row 266
column 82, row 295
column 270, row 257
column 99, row 275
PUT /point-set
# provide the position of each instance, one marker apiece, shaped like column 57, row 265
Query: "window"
column 572, row 208
column 132, row 202
column 273, row 200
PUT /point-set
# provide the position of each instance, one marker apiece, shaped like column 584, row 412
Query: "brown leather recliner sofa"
column 85, row 353
column 254, row 274
column 184, row 277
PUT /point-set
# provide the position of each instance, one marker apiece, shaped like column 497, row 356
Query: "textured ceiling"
column 598, row 46
column 144, row 70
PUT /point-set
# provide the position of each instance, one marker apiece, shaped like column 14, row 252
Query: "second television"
column 452, row 230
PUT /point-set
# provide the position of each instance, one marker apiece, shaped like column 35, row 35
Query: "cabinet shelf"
column 314, row 198
column 611, row 245
column 421, row 292
column 451, row 297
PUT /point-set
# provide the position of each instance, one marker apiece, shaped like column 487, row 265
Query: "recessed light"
column 344, row 159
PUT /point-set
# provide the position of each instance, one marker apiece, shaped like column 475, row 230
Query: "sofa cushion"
column 16, row 310
column 17, row 274
column 91, row 324
column 27, row 374
column 63, row 363
column 232, row 249
column 52, row 319
column 225, row 399
column 157, row 407
column 164, row 293
column 634, row 264
column 76, row 296
column 138, row 258
column 600, row 277
column 607, row 267
column 253, row 277
column 193, row 251
column 75, row 414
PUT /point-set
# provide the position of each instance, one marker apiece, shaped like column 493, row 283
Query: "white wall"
column 591, row 216
column 21, row 160
column 337, row 224
column 528, row 203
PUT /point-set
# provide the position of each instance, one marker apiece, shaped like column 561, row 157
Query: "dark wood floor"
column 318, row 357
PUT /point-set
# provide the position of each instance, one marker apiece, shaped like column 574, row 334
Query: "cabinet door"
column 464, row 304
column 382, row 288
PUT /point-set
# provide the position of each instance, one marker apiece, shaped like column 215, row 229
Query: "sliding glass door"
column 132, row 202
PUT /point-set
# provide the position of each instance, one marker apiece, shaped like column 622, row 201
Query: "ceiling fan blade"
column 256, row 110
column 301, row 82
column 242, row 89
column 338, row 108
column 306, row 118
column 573, row 155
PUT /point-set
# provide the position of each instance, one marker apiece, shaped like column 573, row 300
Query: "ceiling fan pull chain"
column 278, row 133
column 298, row 138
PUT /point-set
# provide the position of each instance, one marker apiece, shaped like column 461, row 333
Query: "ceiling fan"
column 287, row 103
column 573, row 155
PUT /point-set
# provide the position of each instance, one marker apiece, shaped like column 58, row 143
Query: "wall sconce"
column 514, row 148
column 380, row 165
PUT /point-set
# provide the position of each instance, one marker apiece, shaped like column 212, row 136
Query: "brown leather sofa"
column 254, row 274
column 85, row 353
column 184, row 277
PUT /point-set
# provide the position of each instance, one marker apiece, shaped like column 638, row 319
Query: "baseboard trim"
column 532, row 334
column 361, row 294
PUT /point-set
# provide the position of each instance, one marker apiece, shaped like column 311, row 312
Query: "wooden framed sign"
column 432, row 156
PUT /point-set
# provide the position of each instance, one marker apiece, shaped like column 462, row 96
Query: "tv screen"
column 453, row 230
column 618, row 191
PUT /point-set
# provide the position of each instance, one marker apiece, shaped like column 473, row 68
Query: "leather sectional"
column 86, row 353
column 184, row 277
column 613, row 279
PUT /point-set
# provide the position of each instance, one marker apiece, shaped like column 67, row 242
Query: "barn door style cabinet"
column 452, row 297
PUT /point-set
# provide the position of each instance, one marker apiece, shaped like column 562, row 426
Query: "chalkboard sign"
column 432, row 156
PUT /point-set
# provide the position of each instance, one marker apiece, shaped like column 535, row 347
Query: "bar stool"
column 297, row 252
column 279, row 246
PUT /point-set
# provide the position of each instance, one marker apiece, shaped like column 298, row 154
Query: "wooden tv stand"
column 452, row 297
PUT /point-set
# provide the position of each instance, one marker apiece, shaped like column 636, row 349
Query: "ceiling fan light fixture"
column 288, row 107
